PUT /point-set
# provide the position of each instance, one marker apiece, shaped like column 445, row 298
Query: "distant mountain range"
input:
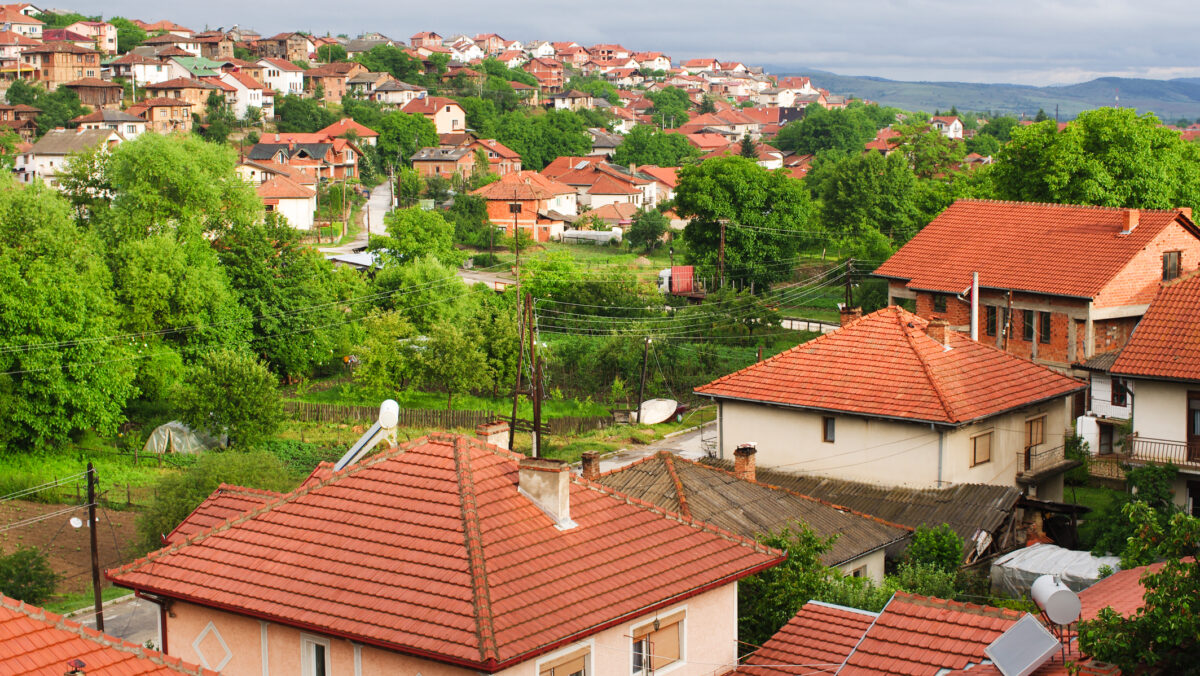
column 1169, row 99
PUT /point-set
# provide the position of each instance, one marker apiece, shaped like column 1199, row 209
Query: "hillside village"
column 462, row 354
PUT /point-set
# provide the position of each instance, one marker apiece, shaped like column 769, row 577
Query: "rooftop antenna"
column 384, row 429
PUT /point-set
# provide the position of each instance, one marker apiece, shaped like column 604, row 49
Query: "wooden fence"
column 433, row 418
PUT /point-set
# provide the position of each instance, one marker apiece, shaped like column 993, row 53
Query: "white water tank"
column 1060, row 604
column 389, row 414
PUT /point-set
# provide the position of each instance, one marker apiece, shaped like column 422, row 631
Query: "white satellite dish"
column 76, row 522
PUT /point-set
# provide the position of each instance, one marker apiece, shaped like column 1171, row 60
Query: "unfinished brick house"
column 1057, row 283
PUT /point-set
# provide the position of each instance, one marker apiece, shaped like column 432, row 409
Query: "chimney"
column 591, row 465
column 547, row 483
column 1131, row 220
column 743, row 460
column 849, row 315
column 937, row 330
column 494, row 433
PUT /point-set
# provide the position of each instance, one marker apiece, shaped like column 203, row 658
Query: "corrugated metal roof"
column 965, row 507
column 749, row 508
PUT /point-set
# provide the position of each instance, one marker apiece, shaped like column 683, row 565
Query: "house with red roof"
column 56, row 63
column 548, row 72
column 347, row 127
column 287, row 198
column 1058, row 283
column 445, row 114
column 332, row 79
column 19, row 22
column 35, row 641
column 885, row 141
column 949, row 125
column 894, row 400
column 448, row 555
column 164, row 114
column 700, row 65
column 599, row 182
column 502, row 160
column 575, row 56
column 609, row 51
column 1157, row 375
column 323, row 156
column 286, row 46
column 425, row 39
column 164, row 26
column 766, row 156
column 531, row 202
column 282, row 76
column 512, row 58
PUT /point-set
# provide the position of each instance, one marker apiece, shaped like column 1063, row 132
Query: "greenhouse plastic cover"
column 1013, row 574
column 175, row 437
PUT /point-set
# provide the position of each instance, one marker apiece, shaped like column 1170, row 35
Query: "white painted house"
column 283, row 76
column 46, row 158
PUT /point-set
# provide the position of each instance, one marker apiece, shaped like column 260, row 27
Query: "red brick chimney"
column 591, row 465
column 1131, row 220
column 849, row 315
column 937, row 330
column 743, row 461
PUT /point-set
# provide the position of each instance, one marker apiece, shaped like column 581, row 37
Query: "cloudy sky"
column 1037, row 42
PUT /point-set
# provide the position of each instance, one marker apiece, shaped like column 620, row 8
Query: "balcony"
column 1034, row 465
column 1143, row 449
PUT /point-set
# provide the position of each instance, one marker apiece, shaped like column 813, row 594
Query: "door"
column 1106, row 439
column 1193, row 427
column 1193, row 498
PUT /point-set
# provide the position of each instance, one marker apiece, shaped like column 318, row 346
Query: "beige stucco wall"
column 875, row 562
column 709, row 645
column 1160, row 409
column 884, row 452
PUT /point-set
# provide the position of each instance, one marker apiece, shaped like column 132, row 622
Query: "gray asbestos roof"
column 67, row 141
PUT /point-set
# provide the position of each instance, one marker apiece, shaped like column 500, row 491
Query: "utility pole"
column 721, row 254
column 849, row 284
column 1007, row 320
column 535, row 385
column 642, row 387
column 512, row 427
column 91, row 498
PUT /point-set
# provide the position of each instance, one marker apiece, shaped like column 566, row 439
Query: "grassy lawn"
column 115, row 470
column 353, row 394
column 66, row 603
column 1094, row 497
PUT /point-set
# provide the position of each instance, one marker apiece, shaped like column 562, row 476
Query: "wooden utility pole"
column 1007, row 320
column 721, row 255
column 512, row 427
column 91, row 498
column 849, row 284
column 642, row 387
column 535, row 385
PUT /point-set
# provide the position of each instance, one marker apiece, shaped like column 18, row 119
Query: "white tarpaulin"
column 175, row 437
column 1013, row 574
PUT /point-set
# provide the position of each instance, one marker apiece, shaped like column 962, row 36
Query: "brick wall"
column 1137, row 283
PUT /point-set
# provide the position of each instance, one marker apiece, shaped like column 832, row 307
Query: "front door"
column 1193, row 427
column 1193, row 498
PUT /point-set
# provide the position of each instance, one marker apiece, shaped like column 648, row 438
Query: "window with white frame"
column 314, row 656
column 658, row 644
column 574, row 663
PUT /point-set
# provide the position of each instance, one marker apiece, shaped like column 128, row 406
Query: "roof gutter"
column 907, row 281
column 490, row 665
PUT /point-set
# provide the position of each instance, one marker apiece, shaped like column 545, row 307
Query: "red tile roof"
column 1166, row 343
column 820, row 637
column 282, row 187
column 885, row 365
column 180, row 83
column 345, row 125
column 33, row 641
column 502, row 151
column 1057, row 249
column 429, row 105
column 883, row 140
column 668, row 176
column 621, row 212
column 428, row 549
column 1122, row 591
column 93, row 82
column 225, row 503
column 282, row 64
column 523, row 185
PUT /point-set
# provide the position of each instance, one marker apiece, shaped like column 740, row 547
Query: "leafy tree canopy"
column 128, row 34
column 646, row 145
column 230, row 392
column 302, row 115
column 647, row 229
column 671, row 106
column 414, row 233
column 58, row 107
column 331, row 53
column 402, row 134
column 846, row 130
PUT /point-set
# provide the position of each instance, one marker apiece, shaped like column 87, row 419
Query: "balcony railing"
column 1162, row 451
column 1032, row 461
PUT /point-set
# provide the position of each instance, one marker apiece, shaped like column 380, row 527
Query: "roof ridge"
column 959, row 606
column 925, row 367
column 1097, row 207
column 485, row 629
column 680, row 495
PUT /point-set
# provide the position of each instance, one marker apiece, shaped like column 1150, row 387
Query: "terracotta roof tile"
column 1166, row 343
column 40, row 643
column 282, row 187
column 429, row 549
column 225, row 503
column 1074, row 250
column 523, row 185
column 885, row 365
column 346, row 124
column 820, row 637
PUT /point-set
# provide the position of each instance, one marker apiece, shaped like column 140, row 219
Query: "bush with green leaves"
column 26, row 575
column 938, row 547
column 230, row 392
column 176, row 495
column 1115, row 531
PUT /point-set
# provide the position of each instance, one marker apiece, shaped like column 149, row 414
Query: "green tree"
column 303, row 115
column 471, row 223
column 26, row 575
column 424, row 291
column 769, row 599
column 706, row 105
column 394, row 60
column 1117, row 532
column 1000, row 127
column 1109, row 157
column 401, row 135
column 864, row 192
column 177, row 495
column 230, row 392
column 847, row 130
column 8, row 149
column 646, row 230
column 1041, row 116
column 453, row 358
column 671, row 106
column 331, row 53
column 61, row 371
column 983, row 144
column 58, row 107
column 414, row 233
column 388, row 355
column 748, row 149
column 929, row 152
column 541, row 138
column 594, row 86
column 1163, row 636
column 939, row 547
column 766, row 215
column 409, row 186
column 128, row 34
column 495, row 315
column 644, row 144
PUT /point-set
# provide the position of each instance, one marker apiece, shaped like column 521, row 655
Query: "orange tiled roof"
column 428, row 105
column 668, row 176
column 225, row 503
column 501, row 150
column 1059, row 249
column 523, row 185
column 429, row 549
column 346, row 124
column 1166, row 343
column 885, row 365
column 282, row 187
column 33, row 641
column 820, row 636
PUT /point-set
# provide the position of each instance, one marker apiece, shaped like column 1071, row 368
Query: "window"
column 314, row 656
column 828, row 428
column 658, row 644
column 991, row 320
column 1044, row 327
column 939, row 302
column 981, row 449
column 574, row 664
column 861, row 571
column 1170, row 265
column 1120, row 392
column 1027, row 324
column 1035, row 431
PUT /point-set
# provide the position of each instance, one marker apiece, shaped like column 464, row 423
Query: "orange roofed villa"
column 895, row 400
column 446, row 556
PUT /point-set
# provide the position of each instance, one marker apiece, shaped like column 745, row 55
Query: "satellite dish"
column 76, row 522
column 1059, row 603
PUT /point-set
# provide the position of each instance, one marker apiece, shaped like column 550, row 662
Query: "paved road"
column 686, row 445
column 135, row 620
column 377, row 205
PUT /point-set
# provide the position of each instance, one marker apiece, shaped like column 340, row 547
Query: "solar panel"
column 1026, row 646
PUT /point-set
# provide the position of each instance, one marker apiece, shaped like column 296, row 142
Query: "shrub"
column 26, row 575
column 939, row 547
